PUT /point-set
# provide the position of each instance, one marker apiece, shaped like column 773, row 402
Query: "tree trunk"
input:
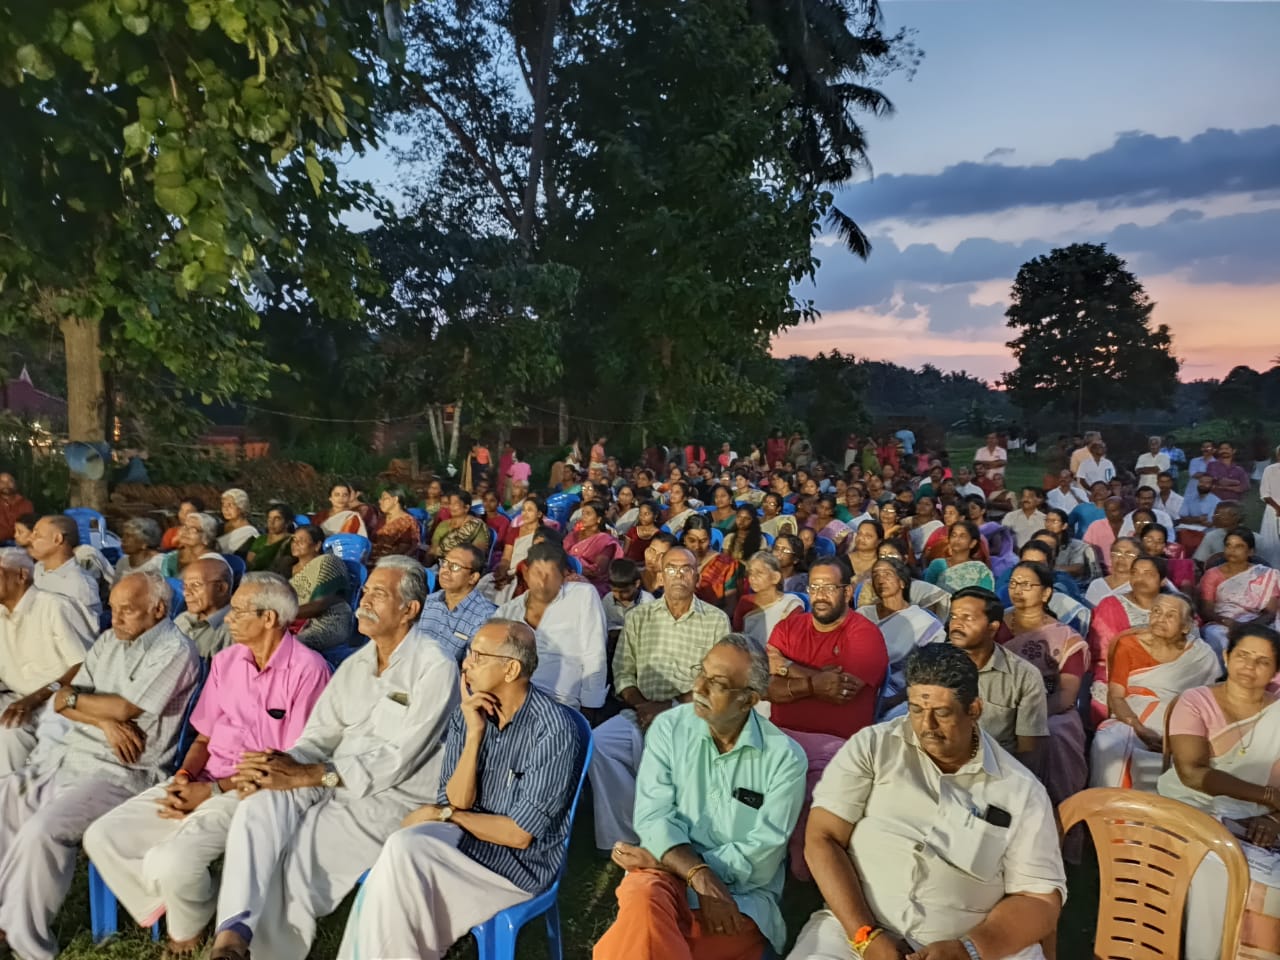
column 86, row 401
column 453, row 434
column 435, row 424
column 562, row 423
column 538, row 140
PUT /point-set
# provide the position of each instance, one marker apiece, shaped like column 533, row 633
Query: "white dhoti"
column 292, row 856
column 41, row 823
column 16, row 743
column 616, row 748
column 823, row 938
column 156, row 866
column 422, row 896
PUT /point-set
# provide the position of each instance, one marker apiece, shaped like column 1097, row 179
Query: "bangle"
column 970, row 948
column 863, row 939
column 184, row 770
column 688, row 877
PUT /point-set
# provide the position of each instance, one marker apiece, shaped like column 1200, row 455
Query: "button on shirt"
column 1013, row 699
column 573, row 663
column 156, row 672
column 656, row 651
column 384, row 732
column 856, row 647
column 688, row 792
column 210, row 634
column 528, row 771
column 75, row 583
column 938, row 869
column 453, row 629
column 235, row 707
column 41, row 638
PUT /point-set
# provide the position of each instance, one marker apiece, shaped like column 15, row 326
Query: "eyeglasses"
column 777, row 550
column 1023, row 584
column 1126, row 553
column 681, row 571
column 234, row 611
column 717, row 684
column 824, row 589
column 474, row 654
column 455, row 567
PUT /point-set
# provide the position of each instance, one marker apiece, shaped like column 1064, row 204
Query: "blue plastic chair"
column 496, row 937
column 768, row 538
column 431, row 581
column 804, row 599
column 237, row 566
column 357, row 573
column 113, row 554
column 348, row 546
column 89, row 521
column 178, row 602
column 301, row 520
column 824, row 547
column 788, row 507
column 664, row 528
column 717, row 539
column 575, row 565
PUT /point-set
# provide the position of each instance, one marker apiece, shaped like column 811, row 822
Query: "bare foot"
column 630, row 857
column 229, row 945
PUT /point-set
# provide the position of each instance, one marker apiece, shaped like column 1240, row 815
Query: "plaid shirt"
column 656, row 650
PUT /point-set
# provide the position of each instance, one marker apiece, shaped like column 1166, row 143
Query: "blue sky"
column 1152, row 126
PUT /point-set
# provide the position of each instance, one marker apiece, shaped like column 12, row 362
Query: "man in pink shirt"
column 154, row 851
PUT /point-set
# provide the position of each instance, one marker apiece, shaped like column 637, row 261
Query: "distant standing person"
column 908, row 439
column 1151, row 464
column 598, row 457
column 994, row 456
column 1269, row 532
column 12, row 506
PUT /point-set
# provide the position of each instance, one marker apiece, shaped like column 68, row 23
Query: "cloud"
column 1138, row 169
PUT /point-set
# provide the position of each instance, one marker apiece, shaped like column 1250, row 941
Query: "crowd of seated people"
column 768, row 655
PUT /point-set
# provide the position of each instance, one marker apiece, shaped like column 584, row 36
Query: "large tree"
column 1085, row 341
column 166, row 174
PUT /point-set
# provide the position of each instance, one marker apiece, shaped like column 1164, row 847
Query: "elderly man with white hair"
column 125, row 707
column 314, row 819
column 206, row 588
column 154, row 851
column 43, row 639
column 1151, row 464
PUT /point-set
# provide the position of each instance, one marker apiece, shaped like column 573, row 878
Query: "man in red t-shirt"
column 827, row 668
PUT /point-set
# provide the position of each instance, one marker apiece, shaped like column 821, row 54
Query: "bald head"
column 206, row 585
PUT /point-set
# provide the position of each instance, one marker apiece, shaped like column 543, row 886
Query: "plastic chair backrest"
column 1148, row 849
column 1168, row 752
column 348, row 546
column 177, row 602
column 824, row 547
column 301, row 520
column 418, row 513
column 717, row 539
column 92, row 525
column 788, row 507
column 767, row 537
column 804, row 598
column 357, row 574
column 431, row 581
column 664, row 528
column 575, row 565
column 237, row 566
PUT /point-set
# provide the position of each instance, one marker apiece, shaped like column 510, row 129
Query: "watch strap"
column 970, row 949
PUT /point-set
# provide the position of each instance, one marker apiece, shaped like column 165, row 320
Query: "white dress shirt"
column 75, row 583
column 573, row 663
column 1091, row 471
column 1068, row 501
column 43, row 637
column 1158, row 460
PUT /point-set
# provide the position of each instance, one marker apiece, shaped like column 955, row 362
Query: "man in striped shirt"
column 496, row 835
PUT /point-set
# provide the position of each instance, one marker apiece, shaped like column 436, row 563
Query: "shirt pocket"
column 1000, row 721
column 971, row 844
column 389, row 718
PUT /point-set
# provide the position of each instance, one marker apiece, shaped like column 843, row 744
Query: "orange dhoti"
column 655, row 922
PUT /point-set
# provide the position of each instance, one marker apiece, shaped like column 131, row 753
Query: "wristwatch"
column 970, row 949
column 785, row 669
column 330, row 778
column 446, row 814
column 70, row 702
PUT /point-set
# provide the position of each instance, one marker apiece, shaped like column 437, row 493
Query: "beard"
column 833, row 613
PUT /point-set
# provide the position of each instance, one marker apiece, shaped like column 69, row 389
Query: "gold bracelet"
column 688, row 877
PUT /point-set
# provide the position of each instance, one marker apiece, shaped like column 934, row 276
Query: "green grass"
column 587, row 907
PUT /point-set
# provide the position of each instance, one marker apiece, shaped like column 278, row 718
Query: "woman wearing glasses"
column 1118, row 613
column 1123, row 552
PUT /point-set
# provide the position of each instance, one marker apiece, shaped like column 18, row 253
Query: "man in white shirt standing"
column 314, row 819
column 569, row 623
column 1096, row 466
column 994, row 456
column 1068, row 494
column 43, row 639
column 53, row 545
column 1151, row 464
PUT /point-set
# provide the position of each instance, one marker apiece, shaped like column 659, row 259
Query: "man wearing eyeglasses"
column 314, row 819
column 718, row 794
column 154, row 851
column 206, row 589
column 827, row 669
column 494, row 832
column 651, row 673
column 453, row 614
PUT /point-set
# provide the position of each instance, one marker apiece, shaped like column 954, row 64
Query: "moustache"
column 702, row 701
column 365, row 614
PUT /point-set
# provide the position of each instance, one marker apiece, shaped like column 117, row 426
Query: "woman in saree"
column 1116, row 614
column 399, row 533
column 743, row 492
column 904, row 625
column 789, row 552
column 961, row 568
column 625, row 510
column 923, row 523
column 772, row 520
column 936, row 546
column 433, row 502
column 461, row 527
column 503, row 584
column 1225, row 739
column 894, row 529
column 1148, row 668
column 341, row 517
column 593, row 545
column 759, row 611
column 865, row 550
column 1073, row 557
column 1123, row 552
column 197, row 538
column 826, row 524
column 271, row 550
column 237, row 531
column 679, row 510
column 1182, row 569
column 723, row 514
column 717, row 573
column 746, row 540
column 139, row 538
column 1062, row 657
column 929, row 598
column 320, row 581
column 648, row 522
column 1237, row 592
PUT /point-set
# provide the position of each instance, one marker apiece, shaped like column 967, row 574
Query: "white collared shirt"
column 573, row 664
column 43, row 637
column 75, row 583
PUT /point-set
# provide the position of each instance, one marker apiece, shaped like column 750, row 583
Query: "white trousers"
column 157, row 866
column 615, row 758
column 41, row 823
column 823, row 938
column 422, row 896
column 292, row 856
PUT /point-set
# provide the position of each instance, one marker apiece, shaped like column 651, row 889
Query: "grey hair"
column 942, row 665
column 758, row 675
column 274, row 594
column 1184, row 602
column 158, row 589
column 767, row 558
column 208, row 527
column 239, row 498
column 145, row 529
column 413, row 579
column 519, row 644
column 15, row 558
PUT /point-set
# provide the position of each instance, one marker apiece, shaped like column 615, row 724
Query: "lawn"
column 587, row 907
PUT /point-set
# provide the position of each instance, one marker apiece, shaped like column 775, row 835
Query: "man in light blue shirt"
column 718, row 794
column 908, row 439
column 1198, row 504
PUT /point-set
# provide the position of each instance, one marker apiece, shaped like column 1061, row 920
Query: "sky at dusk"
column 1151, row 126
